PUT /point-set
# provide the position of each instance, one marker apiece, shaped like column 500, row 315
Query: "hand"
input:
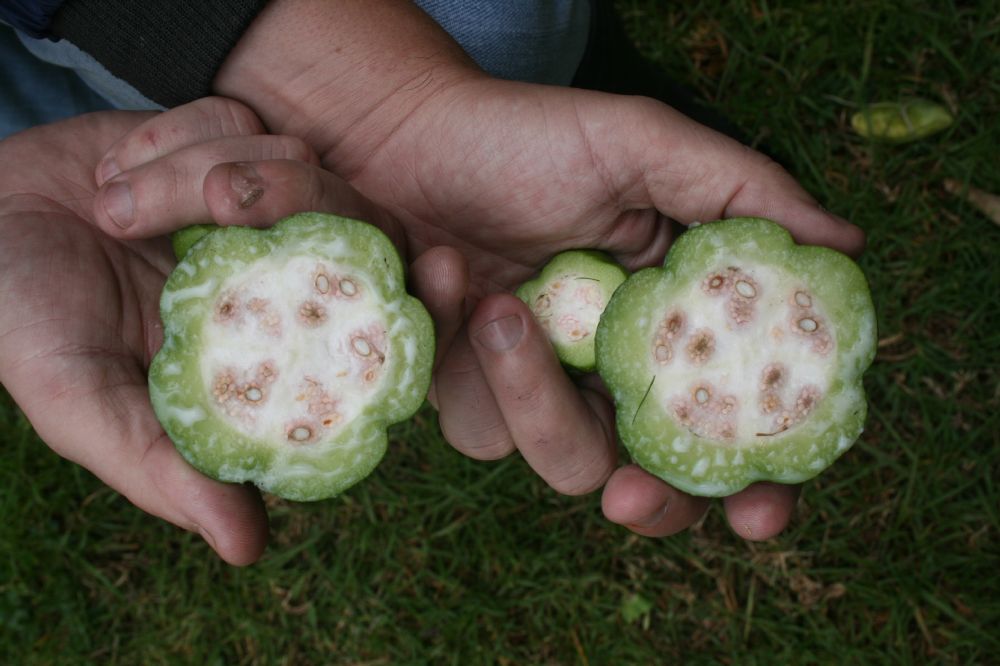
column 578, row 169
column 79, row 323
column 510, row 174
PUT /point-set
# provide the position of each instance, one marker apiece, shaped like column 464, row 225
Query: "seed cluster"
column 806, row 323
column 240, row 393
column 672, row 327
column 773, row 384
column 706, row 413
column 710, row 407
column 311, row 398
column 569, row 308
column 738, row 288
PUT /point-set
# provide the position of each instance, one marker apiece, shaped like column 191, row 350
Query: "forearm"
column 342, row 74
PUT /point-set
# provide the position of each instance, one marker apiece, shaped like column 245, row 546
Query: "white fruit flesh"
column 741, row 354
column 294, row 350
column 569, row 308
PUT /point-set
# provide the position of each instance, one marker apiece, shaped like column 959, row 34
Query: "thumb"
column 694, row 174
column 113, row 433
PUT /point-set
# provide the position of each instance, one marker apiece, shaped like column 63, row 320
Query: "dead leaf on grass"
column 985, row 202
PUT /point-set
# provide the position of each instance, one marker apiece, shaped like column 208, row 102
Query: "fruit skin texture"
column 184, row 239
column 182, row 394
column 901, row 122
column 654, row 434
column 596, row 272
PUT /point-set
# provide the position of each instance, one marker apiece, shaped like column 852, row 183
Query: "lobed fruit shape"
column 567, row 299
column 739, row 360
column 288, row 352
column 185, row 238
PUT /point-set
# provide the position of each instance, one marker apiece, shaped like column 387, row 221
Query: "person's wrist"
column 342, row 74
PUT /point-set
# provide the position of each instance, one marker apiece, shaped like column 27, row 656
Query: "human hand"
column 79, row 319
column 560, row 192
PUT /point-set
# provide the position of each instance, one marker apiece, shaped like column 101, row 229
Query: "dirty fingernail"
column 118, row 204
column 246, row 183
column 501, row 334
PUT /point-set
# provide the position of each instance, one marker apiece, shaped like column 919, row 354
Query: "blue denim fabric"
column 33, row 92
column 525, row 40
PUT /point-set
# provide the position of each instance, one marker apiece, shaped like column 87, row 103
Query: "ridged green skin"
column 182, row 398
column 184, row 239
column 708, row 467
column 591, row 265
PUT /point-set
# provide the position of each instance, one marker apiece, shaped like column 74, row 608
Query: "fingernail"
column 501, row 334
column 653, row 519
column 107, row 170
column 246, row 183
column 118, row 204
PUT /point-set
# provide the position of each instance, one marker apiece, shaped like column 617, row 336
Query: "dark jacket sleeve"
column 169, row 51
column 32, row 17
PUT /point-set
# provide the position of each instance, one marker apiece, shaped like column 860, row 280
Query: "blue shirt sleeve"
column 32, row 17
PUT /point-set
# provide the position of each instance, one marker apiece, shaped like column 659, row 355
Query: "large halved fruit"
column 288, row 352
column 740, row 359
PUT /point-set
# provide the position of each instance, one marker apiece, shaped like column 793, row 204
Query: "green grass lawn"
column 893, row 556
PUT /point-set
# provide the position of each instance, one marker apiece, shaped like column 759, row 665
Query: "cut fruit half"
column 740, row 359
column 567, row 299
column 288, row 352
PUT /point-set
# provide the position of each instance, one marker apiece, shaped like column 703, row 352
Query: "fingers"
column 114, row 434
column 762, row 510
column 647, row 506
column 259, row 193
column 440, row 279
column 692, row 173
column 565, row 434
column 202, row 120
column 167, row 193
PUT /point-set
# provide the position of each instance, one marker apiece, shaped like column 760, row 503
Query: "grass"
column 893, row 554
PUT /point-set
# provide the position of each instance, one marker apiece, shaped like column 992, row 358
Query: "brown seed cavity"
column 701, row 347
column 770, row 402
column 312, row 313
column 802, row 299
column 773, row 376
column 808, row 398
column 543, row 304
column 702, row 395
column 714, row 283
column 672, row 326
column 300, row 433
column 662, row 352
column 253, row 394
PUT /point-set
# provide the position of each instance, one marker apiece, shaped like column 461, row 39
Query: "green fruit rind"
column 900, row 122
column 590, row 276
column 653, row 431
column 184, row 239
column 233, row 258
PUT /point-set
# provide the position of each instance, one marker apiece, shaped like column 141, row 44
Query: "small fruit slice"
column 288, row 352
column 740, row 359
column 567, row 299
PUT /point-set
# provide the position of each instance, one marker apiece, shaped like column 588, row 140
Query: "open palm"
column 78, row 325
